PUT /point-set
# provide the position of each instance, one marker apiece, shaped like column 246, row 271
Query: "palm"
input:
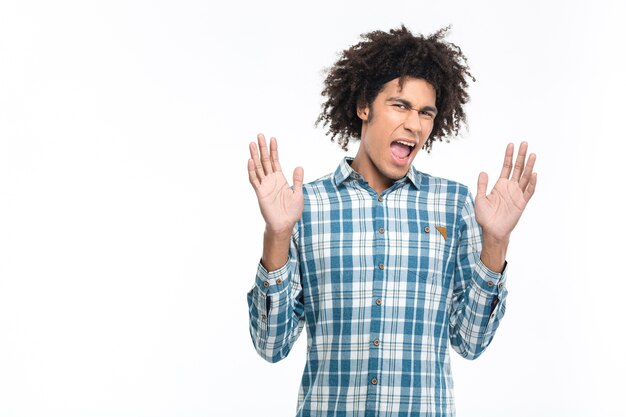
column 499, row 211
column 280, row 204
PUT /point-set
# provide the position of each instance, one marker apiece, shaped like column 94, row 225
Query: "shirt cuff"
column 489, row 281
column 272, row 282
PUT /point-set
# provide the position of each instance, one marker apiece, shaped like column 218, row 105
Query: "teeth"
column 406, row 143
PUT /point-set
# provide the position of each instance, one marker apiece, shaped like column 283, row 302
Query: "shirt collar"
column 344, row 172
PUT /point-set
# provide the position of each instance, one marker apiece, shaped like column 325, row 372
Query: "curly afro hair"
column 362, row 70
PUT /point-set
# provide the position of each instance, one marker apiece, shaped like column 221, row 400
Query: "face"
column 395, row 127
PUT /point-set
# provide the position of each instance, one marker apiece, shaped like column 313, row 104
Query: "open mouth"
column 401, row 149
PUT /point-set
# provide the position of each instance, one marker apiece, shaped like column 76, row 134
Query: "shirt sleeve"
column 276, row 308
column 478, row 296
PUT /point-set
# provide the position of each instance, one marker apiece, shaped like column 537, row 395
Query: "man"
column 385, row 265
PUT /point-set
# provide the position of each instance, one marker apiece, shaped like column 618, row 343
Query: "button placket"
column 379, row 227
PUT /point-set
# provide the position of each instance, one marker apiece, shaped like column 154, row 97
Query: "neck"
column 371, row 175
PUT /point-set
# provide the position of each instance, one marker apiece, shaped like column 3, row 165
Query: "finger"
column 298, row 178
column 254, row 154
column 483, row 179
column 508, row 162
column 519, row 161
column 265, row 155
column 528, row 171
column 252, row 175
column 274, row 155
column 530, row 190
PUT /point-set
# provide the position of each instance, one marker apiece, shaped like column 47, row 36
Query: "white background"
column 129, row 234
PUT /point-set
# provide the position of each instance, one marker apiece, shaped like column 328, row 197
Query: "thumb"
column 298, row 178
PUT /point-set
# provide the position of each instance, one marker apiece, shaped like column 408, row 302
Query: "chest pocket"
column 430, row 251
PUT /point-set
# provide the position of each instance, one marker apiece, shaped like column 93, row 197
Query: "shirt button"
column 427, row 229
column 379, row 301
column 376, row 342
column 266, row 284
column 380, row 198
column 381, row 230
column 279, row 281
column 381, row 266
column 263, row 317
column 374, row 381
column 500, row 285
column 490, row 283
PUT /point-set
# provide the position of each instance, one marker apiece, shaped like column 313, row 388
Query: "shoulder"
column 447, row 196
column 323, row 183
column 320, row 191
column 430, row 184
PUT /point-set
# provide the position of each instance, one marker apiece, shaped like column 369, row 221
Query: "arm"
column 276, row 308
column 479, row 293
column 275, row 302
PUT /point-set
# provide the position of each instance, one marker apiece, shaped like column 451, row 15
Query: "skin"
column 396, row 113
column 281, row 206
column 405, row 114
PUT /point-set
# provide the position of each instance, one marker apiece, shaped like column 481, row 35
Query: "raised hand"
column 499, row 211
column 281, row 205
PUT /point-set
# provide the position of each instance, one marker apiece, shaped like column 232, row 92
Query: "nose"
column 413, row 122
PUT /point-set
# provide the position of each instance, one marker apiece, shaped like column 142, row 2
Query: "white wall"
column 129, row 234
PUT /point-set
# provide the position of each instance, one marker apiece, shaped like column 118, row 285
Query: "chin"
column 397, row 174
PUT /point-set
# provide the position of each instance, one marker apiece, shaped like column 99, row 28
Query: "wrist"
column 493, row 254
column 275, row 248
column 277, row 235
column 494, row 241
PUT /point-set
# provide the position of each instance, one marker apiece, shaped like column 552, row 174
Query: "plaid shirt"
column 382, row 283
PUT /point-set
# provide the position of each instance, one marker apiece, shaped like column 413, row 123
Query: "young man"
column 385, row 265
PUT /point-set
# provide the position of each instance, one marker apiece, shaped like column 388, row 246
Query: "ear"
column 363, row 112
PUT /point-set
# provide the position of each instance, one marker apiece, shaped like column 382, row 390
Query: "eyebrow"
column 408, row 104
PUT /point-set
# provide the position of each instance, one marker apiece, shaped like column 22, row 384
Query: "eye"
column 400, row 106
column 428, row 114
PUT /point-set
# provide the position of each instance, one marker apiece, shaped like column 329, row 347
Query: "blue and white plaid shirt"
column 382, row 283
